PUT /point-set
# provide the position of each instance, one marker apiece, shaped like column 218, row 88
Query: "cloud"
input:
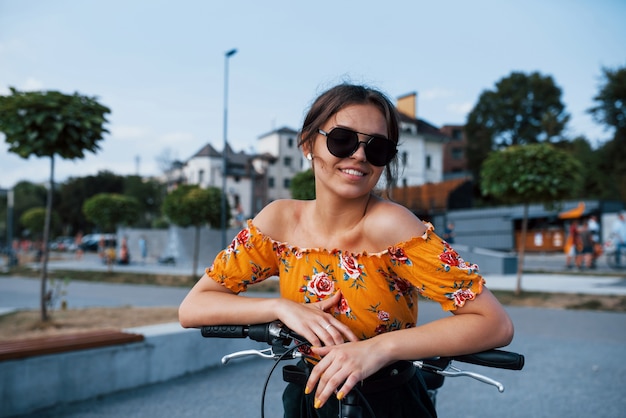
column 437, row 93
column 460, row 108
column 32, row 84
column 129, row 132
column 178, row 140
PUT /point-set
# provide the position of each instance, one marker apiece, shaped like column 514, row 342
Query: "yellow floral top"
column 379, row 289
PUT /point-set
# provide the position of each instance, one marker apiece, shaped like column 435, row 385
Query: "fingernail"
column 307, row 390
column 317, row 404
column 340, row 396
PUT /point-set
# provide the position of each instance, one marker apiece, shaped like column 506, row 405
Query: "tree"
column 610, row 110
column 26, row 195
column 522, row 174
column 34, row 220
column 597, row 182
column 108, row 210
column 76, row 190
column 523, row 109
column 149, row 194
column 303, row 185
column 46, row 124
column 189, row 205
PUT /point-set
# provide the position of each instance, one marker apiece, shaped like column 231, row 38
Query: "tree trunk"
column 46, row 237
column 522, row 251
column 196, row 250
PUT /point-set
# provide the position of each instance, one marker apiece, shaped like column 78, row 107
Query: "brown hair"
column 343, row 95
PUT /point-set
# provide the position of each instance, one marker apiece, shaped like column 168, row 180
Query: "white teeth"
column 353, row 172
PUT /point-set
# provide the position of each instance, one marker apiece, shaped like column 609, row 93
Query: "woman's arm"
column 210, row 303
column 480, row 324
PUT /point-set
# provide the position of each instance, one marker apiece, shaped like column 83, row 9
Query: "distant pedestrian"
column 448, row 233
column 143, row 249
column 584, row 252
column 78, row 242
column 124, row 253
column 594, row 229
column 618, row 233
column 571, row 244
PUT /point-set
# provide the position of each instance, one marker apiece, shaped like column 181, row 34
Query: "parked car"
column 91, row 242
column 63, row 244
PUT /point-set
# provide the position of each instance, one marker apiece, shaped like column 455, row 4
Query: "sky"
column 160, row 65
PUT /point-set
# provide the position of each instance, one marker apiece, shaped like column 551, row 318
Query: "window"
column 270, row 182
column 405, row 158
column 286, row 183
column 289, row 142
column 287, row 161
column 457, row 153
column 200, row 176
column 428, row 162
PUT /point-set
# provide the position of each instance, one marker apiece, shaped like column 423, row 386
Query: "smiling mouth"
column 353, row 172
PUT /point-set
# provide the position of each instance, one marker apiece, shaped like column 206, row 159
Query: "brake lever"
column 451, row 371
column 265, row 353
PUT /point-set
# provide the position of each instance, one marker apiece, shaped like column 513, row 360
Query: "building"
column 455, row 164
column 282, row 144
column 420, row 147
column 254, row 180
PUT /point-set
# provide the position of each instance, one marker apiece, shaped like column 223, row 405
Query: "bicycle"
column 286, row 344
column 609, row 251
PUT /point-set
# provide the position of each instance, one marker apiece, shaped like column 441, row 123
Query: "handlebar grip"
column 494, row 358
column 224, row 331
column 256, row 332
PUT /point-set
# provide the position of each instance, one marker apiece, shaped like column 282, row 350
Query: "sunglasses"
column 343, row 142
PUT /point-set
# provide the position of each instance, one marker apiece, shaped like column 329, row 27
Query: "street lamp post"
column 227, row 55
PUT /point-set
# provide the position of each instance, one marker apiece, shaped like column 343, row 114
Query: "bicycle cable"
column 282, row 357
column 269, row 375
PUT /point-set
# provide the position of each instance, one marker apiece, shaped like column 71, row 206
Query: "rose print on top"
column 320, row 285
column 352, row 270
column 343, row 308
column 399, row 287
column 243, row 239
column 384, row 318
column 450, row 258
column 461, row 295
column 398, row 256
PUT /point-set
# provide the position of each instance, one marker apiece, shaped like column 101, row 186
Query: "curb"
column 168, row 351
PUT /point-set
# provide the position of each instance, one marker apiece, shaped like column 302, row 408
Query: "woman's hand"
column 315, row 322
column 341, row 368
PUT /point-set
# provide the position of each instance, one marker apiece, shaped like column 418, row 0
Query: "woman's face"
column 351, row 176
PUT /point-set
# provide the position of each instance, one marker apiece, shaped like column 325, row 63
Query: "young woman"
column 351, row 266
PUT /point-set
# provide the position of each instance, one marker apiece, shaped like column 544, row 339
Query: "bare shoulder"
column 391, row 223
column 278, row 217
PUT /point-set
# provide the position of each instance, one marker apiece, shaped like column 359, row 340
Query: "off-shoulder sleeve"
column 249, row 259
column 436, row 270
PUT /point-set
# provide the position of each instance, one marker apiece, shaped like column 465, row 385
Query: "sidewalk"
column 542, row 273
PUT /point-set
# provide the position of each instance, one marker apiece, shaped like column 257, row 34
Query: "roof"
column 284, row 130
column 207, row 151
column 427, row 197
column 423, row 127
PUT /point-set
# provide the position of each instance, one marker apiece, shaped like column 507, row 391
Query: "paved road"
column 573, row 368
column 574, row 361
column 23, row 293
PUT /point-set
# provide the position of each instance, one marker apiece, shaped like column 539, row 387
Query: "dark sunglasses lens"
column 379, row 151
column 341, row 142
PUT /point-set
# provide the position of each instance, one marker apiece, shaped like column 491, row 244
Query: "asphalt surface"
column 546, row 274
column 573, row 368
column 573, row 365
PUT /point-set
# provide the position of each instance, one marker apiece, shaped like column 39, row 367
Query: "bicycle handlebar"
column 271, row 331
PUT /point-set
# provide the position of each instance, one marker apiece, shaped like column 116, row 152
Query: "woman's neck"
column 338, row 216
